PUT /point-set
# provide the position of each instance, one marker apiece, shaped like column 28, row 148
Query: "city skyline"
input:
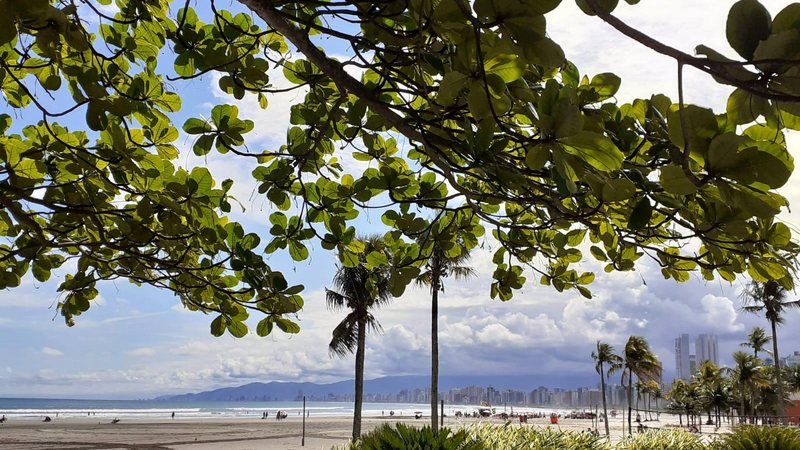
column 706, row 348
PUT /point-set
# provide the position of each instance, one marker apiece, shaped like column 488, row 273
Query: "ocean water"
column 30, row 408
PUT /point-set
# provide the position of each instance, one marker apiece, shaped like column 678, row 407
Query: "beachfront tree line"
column 454, row 117
column 747, row 390
column 749, row 386
column 638, row 362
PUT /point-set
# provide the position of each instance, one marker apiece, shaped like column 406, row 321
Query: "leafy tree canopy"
column 466, row 114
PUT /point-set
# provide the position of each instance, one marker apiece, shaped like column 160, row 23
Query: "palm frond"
column 357, row 289
column 344, row 337
column 424, row 279
column 335, row 300
column 462, row 272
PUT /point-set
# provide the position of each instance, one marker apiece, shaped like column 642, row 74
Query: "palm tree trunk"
column 605, row 408
column 360, row 350
column 742, row 414
column 434, row 354
column 630, row 400
column 778, row 380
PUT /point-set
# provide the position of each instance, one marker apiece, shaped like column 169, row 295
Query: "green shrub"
column 759, row 438
column 662, row 440
column 405, row 437
column 511, row 437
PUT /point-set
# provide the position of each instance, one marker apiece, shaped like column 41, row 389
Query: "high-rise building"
column 793, row 359
column 706, row 349
column 682, row 369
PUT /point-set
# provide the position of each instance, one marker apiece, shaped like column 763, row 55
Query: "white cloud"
column 143, row 352
column 49, row 351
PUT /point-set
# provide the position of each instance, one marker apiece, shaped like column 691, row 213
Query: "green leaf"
column 641, row 214
column 595, row 149
column 782, row 46
column 780, row 234
column 185, row 64
column 586, row 293
column 202, row 146
column 598, row 253
column 376, row 259
column 286, row 325
column 218, row 326
column 748, row 23
column 674, row 181
column 787, row 19
column 702, row 127
column 605, row 84
column 40, row 272
column 5, row 123
column 237, row 329
column 264, row 327
column 508, row 67
column 28, row 168
column 543, row 52
column 541, row 6
column 751, row 165
column 297, row 250
column 605, row 6
column 478, row 101
column 197, row 126
column 170, row 101
column 744, row 108
column 452, row 83
column 618, row 190
column 8, row 28
column 537, row 156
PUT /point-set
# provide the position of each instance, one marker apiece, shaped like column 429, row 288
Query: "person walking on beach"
column 173, row 415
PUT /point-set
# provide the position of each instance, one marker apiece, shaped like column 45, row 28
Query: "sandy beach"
column 234, row 434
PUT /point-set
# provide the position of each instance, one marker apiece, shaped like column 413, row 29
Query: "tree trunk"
column 605, row 408
column 630, row 400
column 778, row 378
column 360, row 349
column 741, row 409
column 435, row 349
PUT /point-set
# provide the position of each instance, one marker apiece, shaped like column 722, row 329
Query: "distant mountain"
column 289, row 391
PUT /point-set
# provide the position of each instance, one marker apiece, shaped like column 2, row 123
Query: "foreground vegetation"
column 483, row 436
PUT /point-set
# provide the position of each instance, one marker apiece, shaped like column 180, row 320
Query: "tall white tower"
column 682, row 369
column 706, row 348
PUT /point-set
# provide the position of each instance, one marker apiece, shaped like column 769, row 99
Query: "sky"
column 138, row 342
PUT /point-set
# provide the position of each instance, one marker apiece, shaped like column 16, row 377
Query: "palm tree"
column 358, row 290
column 719, row 397
column 708, row 376
column 746, row 377
column 678, row 397
column 440, row 265
column 653, row 389
column 757, row 340
column 605, row 355
column 638, row 360
column 658, row 394
column 770, row 297
column 641, row 391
